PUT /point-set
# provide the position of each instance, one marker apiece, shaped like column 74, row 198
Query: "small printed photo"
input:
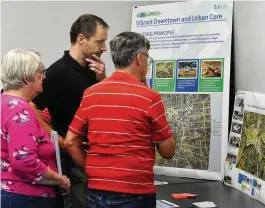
column 256, row 184
column 187, row 69
column 245, row 182
column 231, row 158
column 165, row 69
column 234, row 141
column 255, row 192
column 239, row 102
column 211, row 69
column 227, row 179
column 256, row 188
column 228, row 167
column 236, row 128
column 238, row 115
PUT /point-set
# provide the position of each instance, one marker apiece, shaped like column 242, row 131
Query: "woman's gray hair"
column 125, row 46
column 19, row 66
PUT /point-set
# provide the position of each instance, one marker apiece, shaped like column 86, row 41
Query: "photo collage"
column 234, row 138
column 244, row 164
column 186, row 75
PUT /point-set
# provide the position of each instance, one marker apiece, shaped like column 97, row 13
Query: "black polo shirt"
column 63, row 88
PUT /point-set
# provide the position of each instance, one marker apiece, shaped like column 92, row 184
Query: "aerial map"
column 189, row 116
column 251, row 156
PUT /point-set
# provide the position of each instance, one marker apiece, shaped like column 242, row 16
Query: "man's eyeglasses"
column 149, row 59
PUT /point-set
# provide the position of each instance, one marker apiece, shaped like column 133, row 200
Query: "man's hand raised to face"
column 98, row 66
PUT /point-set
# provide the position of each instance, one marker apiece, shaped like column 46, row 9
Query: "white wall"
column 44, row 26
column 249, row 42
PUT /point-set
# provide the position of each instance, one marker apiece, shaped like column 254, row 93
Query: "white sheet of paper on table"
column 206, row 204
column 157, row 183
column 169, row 203
column 165, row 204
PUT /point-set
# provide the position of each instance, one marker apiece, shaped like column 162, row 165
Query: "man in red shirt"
column 124, row 122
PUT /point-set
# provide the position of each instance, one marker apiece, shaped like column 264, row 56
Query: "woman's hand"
column 64, row 184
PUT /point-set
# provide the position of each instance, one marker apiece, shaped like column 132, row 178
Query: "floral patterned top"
column 26, row 149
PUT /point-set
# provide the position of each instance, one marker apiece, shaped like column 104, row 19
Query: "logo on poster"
column 147, row 14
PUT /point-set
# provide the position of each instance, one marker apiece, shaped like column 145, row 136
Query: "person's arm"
column 73, row 139
column 52, row 178
column 72, row 144
column 23, row 149
column 161, row 131
column 167, row 148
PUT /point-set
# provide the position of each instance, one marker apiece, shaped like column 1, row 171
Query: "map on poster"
column 245, row 160
column 189, row 116
column 191, row 47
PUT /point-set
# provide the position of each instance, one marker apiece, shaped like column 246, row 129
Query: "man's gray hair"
column 125, row 46
column 19, row 66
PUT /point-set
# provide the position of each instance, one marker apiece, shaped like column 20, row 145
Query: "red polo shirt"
column 122, row 119
column 46, row 115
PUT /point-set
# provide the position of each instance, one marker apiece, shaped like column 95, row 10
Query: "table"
column 215, row 191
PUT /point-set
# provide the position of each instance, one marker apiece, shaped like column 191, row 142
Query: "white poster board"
column 245, row 160
column 191, row 47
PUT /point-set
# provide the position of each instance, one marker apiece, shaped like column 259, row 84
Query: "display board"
column 245, row 160
column 191, row 47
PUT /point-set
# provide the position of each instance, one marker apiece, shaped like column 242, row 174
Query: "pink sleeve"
column 22, row 147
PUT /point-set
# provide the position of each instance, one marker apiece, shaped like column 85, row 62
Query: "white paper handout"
column 157, row 183
column 54, row 139
column 206, row 204
column 165, row 204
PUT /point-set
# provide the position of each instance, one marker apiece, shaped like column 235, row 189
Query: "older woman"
column 28, row 166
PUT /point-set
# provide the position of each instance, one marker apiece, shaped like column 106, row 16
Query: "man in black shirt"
column 63, row 88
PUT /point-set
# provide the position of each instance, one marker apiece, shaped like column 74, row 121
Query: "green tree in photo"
column 251, row 156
